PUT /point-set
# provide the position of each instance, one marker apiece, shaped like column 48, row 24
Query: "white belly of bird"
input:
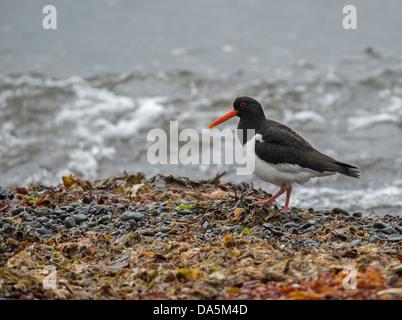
column 281, row 173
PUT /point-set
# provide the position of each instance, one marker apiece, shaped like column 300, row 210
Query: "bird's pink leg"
column 288, row 192
column 272, row 199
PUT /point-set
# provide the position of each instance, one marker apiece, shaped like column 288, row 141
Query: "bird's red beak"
column 227, row 116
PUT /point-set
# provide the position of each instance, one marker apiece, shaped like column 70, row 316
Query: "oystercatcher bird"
column 282, row 156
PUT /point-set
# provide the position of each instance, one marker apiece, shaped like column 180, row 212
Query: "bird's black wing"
column 280, row 144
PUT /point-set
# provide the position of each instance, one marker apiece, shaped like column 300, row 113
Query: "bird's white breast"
column 280, row 173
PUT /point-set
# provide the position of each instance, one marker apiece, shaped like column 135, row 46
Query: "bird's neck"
column 245, row 126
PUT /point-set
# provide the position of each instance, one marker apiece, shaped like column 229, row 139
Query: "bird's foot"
column 262, row 201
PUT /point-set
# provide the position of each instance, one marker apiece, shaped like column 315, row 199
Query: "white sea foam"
column 360, row 122
column 384, row 196
column 303, row 117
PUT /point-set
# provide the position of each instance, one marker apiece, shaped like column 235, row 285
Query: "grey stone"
column 27, row 216
column 34, row 224
column 17, row 211
column 147, row 233
column 75, row 232
column 28, row 228
column 42, row 219
column 185, row 212
column 374, row 239
column 268, row 226
column 165, row 229
column 379, row 225
column 43, row 231
column 58, row 212
column 42, row 212
column 69, row 222
column 310, row 229
column 290, row 225
column 277, row 233
column 388, row 230
column 340, row 211
column 309, row 243
column 105, row 220
column 304, row 226
column 79, row 218
column 395, row 238
column 356, row 243
column 357, row 214
column 67, row 208
column 100, row 209
column 75, row 204
column 129, row 215
column 350, row 219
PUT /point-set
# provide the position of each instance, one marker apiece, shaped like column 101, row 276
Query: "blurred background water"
column 81, row 99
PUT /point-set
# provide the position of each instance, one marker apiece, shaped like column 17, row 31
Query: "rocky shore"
column 165, row 237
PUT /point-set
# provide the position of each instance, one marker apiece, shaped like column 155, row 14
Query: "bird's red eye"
column 243, row 104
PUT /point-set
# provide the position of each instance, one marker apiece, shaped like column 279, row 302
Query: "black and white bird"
column 282, row 156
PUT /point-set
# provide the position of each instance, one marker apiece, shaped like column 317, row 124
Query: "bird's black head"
column 248, row 109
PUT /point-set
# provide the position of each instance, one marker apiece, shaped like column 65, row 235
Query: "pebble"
column 28, row 228
column 277, row 233
column 69, row 222
column 388, row 230
column 105, row 220
column 58, row 212
column 42, row 212
column 100, row 209
column 290, row 225
column 310, row 229
column 340, row 211
column 350, row 219
column 67, row 208
column 374, row 239
column 79, row 218
column 378, row 225
column 357, row 214
column 395, row 238
column 8, row 227
column 17, row 211
column 34, row 224
column 356, row 243
column 129, row 215
column 205, row 224
column 43, row 231
column 75, row 204
column 42, row 219
column 4, row 193
column 27, row 216
column 185, row 212
column 165, row 229
column 304, row 226
column 308, row 242
column 268, row 226
column 147, row 233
